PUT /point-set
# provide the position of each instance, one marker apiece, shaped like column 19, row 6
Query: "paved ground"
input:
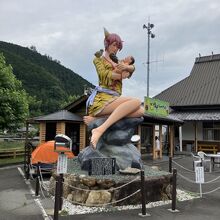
column 190, row 210
column 17, row 201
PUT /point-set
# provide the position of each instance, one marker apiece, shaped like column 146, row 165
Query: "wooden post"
column 143, row 196
column 61, row 191
column 57, row 200
column 37, row 183
column 153, row 141
column 195, row 141
column 139, row 143
column 174, row 190
column 143, row 193
column 161, row 138
column 181, row 138
column 170, row 165
column 173, row 205
column 29, row 151
column 26, row 154
column 171, row 140
column 167, row 143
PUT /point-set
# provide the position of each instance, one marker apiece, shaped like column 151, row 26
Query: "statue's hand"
column 125, row 74
column 122, row 67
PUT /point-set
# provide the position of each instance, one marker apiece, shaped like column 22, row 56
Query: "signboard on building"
column 156, row 107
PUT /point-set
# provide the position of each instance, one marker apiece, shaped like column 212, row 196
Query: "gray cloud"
column 71, row 31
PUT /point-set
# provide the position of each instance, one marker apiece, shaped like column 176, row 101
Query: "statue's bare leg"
column 118, row 109
column 137, row 114
column 88, row 119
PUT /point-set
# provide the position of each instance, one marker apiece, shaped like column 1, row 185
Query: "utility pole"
column 150, row 35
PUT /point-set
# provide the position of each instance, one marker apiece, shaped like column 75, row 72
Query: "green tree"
column 13, row 99
column 34, row 106
column 70, row 99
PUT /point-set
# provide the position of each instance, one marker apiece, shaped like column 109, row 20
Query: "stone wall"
column 100, row 190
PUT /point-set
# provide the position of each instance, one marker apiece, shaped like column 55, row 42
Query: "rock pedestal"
column 114, row 143
column 113, row 189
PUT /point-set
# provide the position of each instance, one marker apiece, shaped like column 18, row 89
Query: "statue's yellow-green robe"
column 104, row 70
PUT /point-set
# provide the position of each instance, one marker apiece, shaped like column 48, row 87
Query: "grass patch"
column 10, row 145
column 4, row 145
column 7, row 161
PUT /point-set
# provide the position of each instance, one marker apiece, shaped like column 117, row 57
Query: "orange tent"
column 44, row 153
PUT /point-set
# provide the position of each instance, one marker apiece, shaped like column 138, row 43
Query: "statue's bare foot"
column 96, row 134
column 88, row 119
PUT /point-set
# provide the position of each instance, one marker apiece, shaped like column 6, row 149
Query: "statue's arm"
column 105, row 75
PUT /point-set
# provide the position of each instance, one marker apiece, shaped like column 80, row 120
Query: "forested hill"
column 42, row 77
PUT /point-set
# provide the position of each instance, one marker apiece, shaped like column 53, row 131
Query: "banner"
column 62, row 163
column 199, row 172
column 156, row 107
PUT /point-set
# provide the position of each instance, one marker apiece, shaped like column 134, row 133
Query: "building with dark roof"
column 196, row 101
column 61, row 122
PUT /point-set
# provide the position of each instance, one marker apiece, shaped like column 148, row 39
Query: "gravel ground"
column 74, row 167
column 72, row 209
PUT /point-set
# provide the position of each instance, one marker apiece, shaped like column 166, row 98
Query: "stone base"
column 106, row 189
column 114, row 143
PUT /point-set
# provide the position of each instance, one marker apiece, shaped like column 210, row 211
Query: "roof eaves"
column 76, row 102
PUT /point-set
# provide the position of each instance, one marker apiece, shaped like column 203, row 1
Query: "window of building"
column 211, row 131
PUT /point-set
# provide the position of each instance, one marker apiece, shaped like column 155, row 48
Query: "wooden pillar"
column 139, row 143
column 181, row 138
column 61, row 128
column 42, row 132
column 171, row 138
column 26, row 165
column 153, row 141
column 82, row 137
column 26, row 132
column 196, row 137
column 161, row 139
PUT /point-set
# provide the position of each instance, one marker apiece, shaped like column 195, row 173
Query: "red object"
column 44, row 153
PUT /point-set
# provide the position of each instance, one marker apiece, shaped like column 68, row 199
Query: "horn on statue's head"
column 106, row 32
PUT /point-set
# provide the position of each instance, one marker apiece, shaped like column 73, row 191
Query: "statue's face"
column 127, row 60
column 113, row 48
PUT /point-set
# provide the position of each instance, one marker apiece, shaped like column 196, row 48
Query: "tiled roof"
column 201, row 87
column 62, row 115
column 75, row 104
column 165, row 120
column 196, row 115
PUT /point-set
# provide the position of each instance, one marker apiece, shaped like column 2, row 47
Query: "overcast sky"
column 72, row 30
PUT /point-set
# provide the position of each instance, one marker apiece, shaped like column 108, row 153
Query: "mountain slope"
column 47, row 80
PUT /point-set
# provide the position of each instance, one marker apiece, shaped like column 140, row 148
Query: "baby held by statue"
column 129, row 60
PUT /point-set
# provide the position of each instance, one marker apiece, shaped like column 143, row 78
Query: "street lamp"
column 150, row 35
